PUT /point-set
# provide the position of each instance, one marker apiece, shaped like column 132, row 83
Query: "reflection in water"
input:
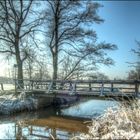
column 52, row 127
column 49, row 123
column 7, row 131
column 89, row 109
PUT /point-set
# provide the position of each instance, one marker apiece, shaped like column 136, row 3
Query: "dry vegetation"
column 123, row 123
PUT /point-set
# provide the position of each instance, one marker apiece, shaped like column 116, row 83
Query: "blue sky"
column 121, row 27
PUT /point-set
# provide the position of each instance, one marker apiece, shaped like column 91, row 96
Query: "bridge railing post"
column 70, row 86
column 136, row 88
column 102, row 89
column 1, row 86
column 75, row 87
column 90, row 89
column 32, row 84
column 46, row 85
column 112, row 88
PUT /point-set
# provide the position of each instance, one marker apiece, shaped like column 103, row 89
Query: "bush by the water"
column 123, row 123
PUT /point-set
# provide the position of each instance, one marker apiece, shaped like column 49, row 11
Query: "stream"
column 52, row 122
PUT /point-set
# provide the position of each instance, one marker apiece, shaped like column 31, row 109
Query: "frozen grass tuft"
column 123, row 123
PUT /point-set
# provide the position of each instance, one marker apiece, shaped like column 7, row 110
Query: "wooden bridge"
column 64, row 93
column 84, row 87
column 81, row 87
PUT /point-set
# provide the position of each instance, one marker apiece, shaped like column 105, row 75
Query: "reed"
column 123, row 123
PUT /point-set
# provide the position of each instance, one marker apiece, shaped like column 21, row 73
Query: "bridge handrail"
column 86, row 81
column 75, row 81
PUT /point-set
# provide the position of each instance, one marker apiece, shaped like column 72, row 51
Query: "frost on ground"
column 123, row 123
column 10, row 104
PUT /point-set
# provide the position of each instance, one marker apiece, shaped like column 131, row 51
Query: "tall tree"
column 17, row 22
column 70, row 31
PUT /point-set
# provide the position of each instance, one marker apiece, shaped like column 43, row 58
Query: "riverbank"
column 10, row 103
column 119, row 123
column 123, row 123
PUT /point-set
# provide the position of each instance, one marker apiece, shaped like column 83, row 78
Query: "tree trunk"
column 55, row 69
column 19, row 67
column 30, row 70
column 54, row 50
column 20, row 75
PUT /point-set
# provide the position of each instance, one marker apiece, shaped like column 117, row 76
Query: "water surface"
column 52, row 122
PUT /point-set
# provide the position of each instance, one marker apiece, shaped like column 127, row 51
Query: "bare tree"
column 70, row 31
column 28, row 64
column 17, row 22
column 66, row 70
column 98, row 76
column 135, row 74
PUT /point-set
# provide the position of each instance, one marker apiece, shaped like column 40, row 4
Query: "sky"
column 121, row 27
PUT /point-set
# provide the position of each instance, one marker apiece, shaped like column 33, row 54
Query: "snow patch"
column 11, row 105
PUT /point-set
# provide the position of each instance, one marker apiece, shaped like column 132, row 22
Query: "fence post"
column 2, row 86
